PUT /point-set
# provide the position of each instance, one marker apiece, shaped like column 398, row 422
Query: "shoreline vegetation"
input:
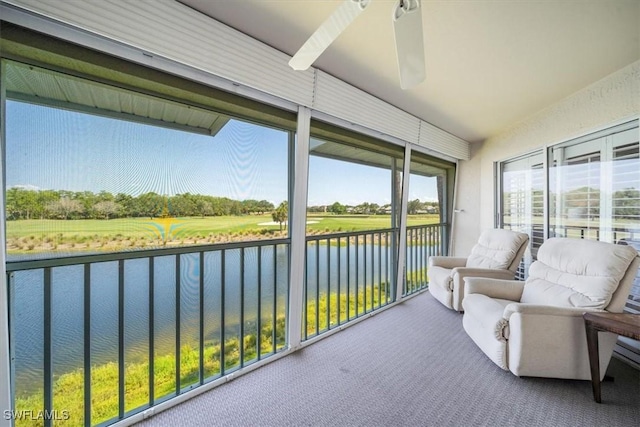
column 68, row 388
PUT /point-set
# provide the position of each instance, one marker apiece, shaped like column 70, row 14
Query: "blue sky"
column 51, row 148
column 349, row 183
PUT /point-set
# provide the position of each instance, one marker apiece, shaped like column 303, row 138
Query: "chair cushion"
column 496, row 249
column 576, row 273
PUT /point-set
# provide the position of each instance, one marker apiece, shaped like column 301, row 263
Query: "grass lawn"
column 135, row 227
column 141, row 227
column 31, row 236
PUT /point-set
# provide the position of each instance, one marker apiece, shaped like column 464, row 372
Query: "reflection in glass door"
column 594, row 188
column 522, row 203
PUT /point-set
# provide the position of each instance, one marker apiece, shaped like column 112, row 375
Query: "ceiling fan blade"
column 330, row 29
column 407, row 28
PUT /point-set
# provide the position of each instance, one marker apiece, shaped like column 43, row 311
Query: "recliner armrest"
column 545, row 310
column 494, row 288
column 447, row 262
column 491, row 273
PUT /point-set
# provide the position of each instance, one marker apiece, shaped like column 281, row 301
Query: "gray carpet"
column 412, row 365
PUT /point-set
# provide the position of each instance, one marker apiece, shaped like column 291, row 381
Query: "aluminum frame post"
column 297, row 228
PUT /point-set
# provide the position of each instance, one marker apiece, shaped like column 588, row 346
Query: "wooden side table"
column 625, row 324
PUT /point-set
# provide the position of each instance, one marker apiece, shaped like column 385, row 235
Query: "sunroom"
column 181, row 208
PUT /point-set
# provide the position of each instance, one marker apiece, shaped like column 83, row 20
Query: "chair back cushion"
column 496, row 249
column 577, row 273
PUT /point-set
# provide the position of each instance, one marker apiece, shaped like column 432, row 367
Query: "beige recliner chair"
column 497, row 254
column 535, row 328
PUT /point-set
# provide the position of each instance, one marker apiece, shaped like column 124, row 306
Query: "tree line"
column 413, row 207
column 24, row 203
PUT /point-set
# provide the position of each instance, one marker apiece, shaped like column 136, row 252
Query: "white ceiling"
column 490, row 63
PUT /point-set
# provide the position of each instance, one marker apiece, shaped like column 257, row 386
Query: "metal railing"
column 423, row 241
column 130, row 330
column 347, row 275
column 586, row 232
column 143, row 326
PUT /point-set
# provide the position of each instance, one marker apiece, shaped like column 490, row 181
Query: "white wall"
column 467, row 221
column 606, row 102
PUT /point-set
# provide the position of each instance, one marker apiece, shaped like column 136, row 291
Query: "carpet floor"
column 411, row 365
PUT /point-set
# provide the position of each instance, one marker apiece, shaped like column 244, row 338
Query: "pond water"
column 67, row 303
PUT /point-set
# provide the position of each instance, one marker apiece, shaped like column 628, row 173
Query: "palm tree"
column 281, row 214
